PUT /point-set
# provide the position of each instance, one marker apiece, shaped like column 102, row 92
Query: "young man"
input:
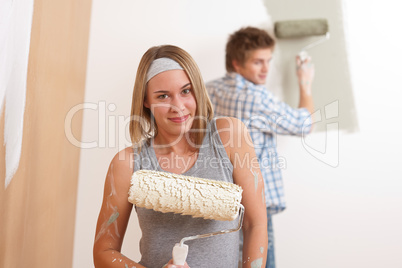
column 242, row 93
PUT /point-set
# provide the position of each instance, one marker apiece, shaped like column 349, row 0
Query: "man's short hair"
column 242, row 42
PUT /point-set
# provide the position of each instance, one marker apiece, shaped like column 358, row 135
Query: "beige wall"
column 38, row 207
column 332, row 82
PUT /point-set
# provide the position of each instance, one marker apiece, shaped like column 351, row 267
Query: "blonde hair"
column 142, row 125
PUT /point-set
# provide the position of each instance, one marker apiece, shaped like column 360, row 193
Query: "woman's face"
column 170, row 98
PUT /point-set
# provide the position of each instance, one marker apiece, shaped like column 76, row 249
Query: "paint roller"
column 303, row 28
column 185, row 195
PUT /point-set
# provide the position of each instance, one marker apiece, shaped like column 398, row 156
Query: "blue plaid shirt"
column 265, row 116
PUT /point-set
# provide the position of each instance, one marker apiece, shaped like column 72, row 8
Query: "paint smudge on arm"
column 112, row 186
column 112, row 219
column 255, row 174
column 248, row 259
column 256, row 263
column 105, row 225
column 263, row 197
column 261, row 249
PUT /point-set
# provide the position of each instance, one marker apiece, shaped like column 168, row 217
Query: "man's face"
column 255, row 68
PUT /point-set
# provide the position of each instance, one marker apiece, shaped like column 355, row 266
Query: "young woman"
column 173, row 131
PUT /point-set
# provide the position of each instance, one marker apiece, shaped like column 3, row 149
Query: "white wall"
column 343, row 216
column 120, row 34
column 350, row 216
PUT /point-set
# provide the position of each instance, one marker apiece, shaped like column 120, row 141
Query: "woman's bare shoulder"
column 123, row 161
column 229, row 128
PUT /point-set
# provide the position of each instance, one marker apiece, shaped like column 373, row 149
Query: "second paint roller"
column 303, row 28
column 198, row 197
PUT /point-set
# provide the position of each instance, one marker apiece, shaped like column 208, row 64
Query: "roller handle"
column 179, row 254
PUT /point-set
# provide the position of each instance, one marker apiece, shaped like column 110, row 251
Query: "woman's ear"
column 146, row 105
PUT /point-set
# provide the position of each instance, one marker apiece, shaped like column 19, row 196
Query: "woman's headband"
column 162, row 65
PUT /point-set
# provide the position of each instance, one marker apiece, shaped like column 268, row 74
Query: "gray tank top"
column 161, row 231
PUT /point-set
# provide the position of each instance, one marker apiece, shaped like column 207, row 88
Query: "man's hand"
column 305, row 74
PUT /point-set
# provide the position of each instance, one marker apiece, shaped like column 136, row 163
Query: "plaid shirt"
column 265, row 116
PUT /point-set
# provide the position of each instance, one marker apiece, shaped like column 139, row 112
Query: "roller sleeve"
column 198, row 197
column 300, row 28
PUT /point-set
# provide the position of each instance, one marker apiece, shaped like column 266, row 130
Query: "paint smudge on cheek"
column 257, row 263
column 261, row 249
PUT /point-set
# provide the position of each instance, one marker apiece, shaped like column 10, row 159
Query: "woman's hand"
column 171, row 265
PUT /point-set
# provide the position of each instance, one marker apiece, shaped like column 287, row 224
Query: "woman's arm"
column 114, row 214
column 247, row 174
